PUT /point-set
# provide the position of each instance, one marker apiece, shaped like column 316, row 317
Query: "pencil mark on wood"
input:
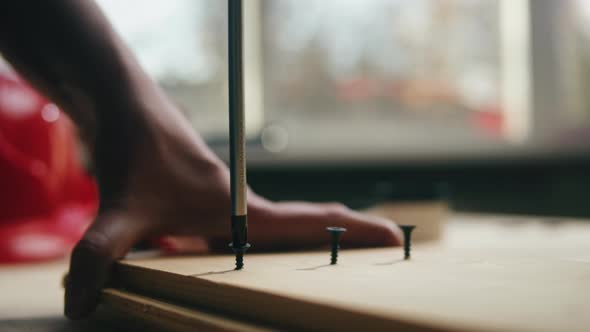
column 211, row 273
column 313, row 268
column 391, row 262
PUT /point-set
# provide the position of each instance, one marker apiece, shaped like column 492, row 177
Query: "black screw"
column 239, row 251
column 336, row 232
column 407, row 229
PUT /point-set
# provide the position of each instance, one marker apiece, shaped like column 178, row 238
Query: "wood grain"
column 171, row 317
column 487, row 275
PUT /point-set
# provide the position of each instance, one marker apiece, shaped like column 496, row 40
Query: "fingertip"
column 375, row 231
column 107, row 240
column 90, row 264
column 392, row 235
column 87, row 265
column 79, row 303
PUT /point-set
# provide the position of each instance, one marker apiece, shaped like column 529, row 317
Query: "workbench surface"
column 31, row 297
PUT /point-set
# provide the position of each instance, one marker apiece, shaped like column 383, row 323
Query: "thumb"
column 289, row 225
column 109, row 238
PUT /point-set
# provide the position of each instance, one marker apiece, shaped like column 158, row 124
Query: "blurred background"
column 407, row 108
column 483, row 103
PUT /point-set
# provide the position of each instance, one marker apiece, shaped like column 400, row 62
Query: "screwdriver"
column 237, row 146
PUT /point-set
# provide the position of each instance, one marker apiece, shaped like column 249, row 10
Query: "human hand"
column 161, row 179
column 155, row 174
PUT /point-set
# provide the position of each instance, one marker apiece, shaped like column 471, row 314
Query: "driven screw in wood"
column 407, row 229
column 336, row 232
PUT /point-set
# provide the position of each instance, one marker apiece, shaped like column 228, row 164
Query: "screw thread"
column 407, row 230
column 334, row 256
column 239, row 251
column 407, row 250
column 239, row 260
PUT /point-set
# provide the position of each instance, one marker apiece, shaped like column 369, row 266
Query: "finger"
column 297, row 225
column 108, row 238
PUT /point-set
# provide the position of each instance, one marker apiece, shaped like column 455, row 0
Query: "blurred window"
column 182, row 44
column 581, row 14
column 383, row 75
column 376, row 78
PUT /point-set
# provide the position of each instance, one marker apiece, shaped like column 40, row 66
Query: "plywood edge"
column 279, row 311
column 170, row 317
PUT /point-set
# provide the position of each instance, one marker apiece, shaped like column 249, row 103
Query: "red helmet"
column 46, row 198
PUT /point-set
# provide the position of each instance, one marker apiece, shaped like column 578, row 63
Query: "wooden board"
column 491, row 275
column 171, row 317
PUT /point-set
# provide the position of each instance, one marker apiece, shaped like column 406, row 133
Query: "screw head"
column 407, row 229
column 336, row 232
column 336, row 229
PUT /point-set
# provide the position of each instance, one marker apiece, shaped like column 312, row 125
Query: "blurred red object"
column 47, row 200
column 490, row 120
